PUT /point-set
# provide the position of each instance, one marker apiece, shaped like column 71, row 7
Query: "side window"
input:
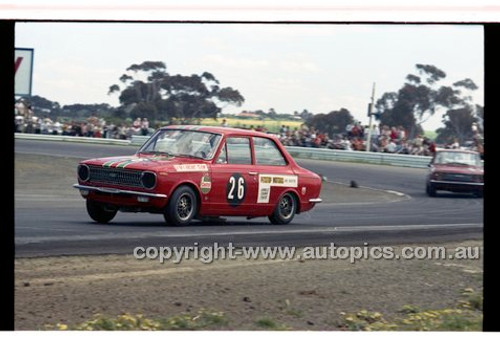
column 222, row 159
column 267, row 153
column 238, row 151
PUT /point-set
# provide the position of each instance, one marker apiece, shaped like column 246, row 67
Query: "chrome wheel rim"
column 184, row 207
column 287, row 206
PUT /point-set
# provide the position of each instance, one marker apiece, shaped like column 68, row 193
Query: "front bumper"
column 115, row 191
column 457, row 186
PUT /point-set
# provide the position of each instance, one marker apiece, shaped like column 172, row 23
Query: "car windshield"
column 457, row 158
column 183, row 143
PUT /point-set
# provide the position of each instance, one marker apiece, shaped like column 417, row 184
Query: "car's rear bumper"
column 309, row 204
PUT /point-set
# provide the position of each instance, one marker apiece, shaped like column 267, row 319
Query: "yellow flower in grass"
column 62, row 327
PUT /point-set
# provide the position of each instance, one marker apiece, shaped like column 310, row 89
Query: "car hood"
column 149, row 162
column 462, row 169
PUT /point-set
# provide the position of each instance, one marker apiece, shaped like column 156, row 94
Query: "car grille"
column 458, row 177
column 116, row 176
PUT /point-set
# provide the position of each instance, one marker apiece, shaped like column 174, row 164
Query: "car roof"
column 220, row 130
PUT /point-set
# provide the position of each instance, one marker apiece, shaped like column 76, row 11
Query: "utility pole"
column 370, row 115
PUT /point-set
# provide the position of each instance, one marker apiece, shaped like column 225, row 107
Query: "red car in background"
column 198, row 172
column 456, row 171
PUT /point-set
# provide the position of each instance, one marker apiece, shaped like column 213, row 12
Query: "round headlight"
column 83, row 172
column 148, row 180
column 436, row 175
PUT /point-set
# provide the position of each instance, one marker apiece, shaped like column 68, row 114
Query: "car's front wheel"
column 99, row 212
column 182, row 206
column 285, row 209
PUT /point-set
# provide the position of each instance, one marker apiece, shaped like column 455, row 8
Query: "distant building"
column 247, row 115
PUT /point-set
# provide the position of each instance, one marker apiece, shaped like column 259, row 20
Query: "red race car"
column 198, row 172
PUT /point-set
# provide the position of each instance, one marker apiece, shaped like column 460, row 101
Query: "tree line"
column 148, row 90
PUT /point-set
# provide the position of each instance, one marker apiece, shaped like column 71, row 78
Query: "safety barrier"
column 73, row 139
column 360, row 156
column 296, row 152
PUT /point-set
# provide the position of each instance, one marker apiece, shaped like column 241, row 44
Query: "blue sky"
column 288, row 67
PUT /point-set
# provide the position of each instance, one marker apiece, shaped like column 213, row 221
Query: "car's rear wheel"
column 99, row 212
column 182, row 207
column 431, row 190
column 285, row 209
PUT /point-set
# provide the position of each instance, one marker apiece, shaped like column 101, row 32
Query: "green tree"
column 43, row 106
column 153, row 93
column 332, row 123
column 458, row 124
column 85, row 110
column 420, row 97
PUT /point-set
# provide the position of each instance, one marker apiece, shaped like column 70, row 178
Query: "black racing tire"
column 99, row 212
column 182, row 207
column 431, row 190
column 285, row 209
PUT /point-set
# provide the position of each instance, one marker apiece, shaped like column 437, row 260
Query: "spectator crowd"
column 91, row 127
column 355, row 137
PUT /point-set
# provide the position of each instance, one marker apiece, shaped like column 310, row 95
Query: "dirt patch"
column 307, row 295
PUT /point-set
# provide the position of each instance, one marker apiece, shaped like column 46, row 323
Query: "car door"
column 234, row 179
column 275, row 176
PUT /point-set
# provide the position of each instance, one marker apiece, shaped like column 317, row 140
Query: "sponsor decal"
column 264, row 194
column 267, row 181
column 191, row 168
column 278, row 180
column 206, row 183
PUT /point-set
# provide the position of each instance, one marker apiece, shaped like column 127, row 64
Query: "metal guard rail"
column 296, row 152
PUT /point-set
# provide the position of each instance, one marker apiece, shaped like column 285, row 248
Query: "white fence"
column 297, row 152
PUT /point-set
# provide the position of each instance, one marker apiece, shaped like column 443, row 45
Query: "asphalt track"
column 50, row 226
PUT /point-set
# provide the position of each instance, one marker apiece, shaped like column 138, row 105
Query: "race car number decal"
column 235, row 189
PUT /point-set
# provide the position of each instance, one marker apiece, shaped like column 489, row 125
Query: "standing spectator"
column 401, row 133
column 432, row 148
column 83, row 130
column 348, row 130
column 394, row 133
column 282, row 130
column 145, row 127
column 122, row 132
